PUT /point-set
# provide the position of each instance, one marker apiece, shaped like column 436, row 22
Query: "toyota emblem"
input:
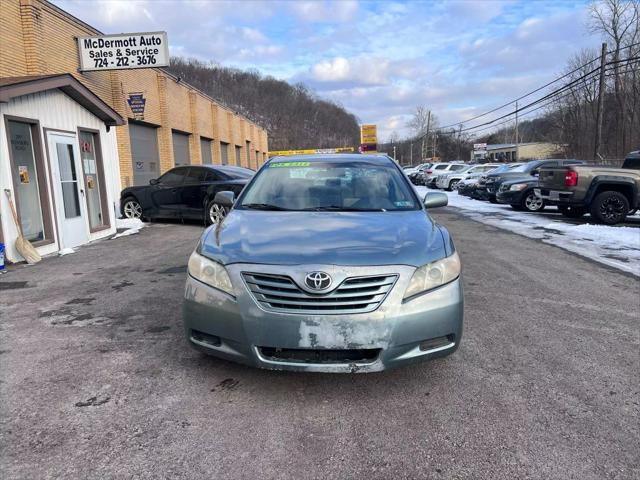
column 317, row 280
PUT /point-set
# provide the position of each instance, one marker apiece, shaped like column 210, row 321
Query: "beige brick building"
column 69, row 140
column 38, row 38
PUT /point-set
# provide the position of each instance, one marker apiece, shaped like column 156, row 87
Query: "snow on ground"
column 129, row 226
column 616, row 246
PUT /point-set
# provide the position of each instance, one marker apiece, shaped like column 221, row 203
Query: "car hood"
column 329, row 238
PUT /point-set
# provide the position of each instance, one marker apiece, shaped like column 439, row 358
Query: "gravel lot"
column 97, row 380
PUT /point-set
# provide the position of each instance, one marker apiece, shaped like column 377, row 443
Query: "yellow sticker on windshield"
column 289, row 164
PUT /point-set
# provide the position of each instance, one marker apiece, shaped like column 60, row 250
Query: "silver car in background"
column 326, row 263
column 450, row 180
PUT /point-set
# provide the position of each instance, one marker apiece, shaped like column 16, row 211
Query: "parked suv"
column 609, row 194
column 527, row 171
column 431, row 174
column 449, row 181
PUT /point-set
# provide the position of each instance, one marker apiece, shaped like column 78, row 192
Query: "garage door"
column 144, row 152
column 180, row 148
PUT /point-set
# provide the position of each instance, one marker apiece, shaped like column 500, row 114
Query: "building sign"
column 479, row 146
column 124, row 51
column 136, row 103
column 368, row 139
column 280, row 153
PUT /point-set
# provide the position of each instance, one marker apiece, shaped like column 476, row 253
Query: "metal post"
column 600, row 112
column 411, row 154
column 394, row 153
column 425, row 149
column 517, row 147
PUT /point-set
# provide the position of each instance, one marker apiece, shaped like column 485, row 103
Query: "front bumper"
column 511, row 197
column 239, row 329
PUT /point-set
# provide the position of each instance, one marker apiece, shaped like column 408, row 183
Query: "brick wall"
column 38, row 38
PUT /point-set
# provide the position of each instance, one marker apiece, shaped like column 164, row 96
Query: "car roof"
column 334, row 157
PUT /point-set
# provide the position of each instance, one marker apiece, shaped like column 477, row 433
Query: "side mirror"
column 154, row 181
column 225, row 198
column 435, row 200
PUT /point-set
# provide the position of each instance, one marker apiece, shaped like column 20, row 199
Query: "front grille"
column 354, row 295
column 302, row 355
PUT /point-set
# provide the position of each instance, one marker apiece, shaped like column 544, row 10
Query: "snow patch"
column 617, row 247
column 131, row 226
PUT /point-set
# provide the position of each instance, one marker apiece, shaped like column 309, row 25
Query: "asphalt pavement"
column 98, row 382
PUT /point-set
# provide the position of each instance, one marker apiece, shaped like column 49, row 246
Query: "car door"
column 193, row 192
column 165, row 194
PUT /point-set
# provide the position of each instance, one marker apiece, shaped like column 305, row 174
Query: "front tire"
column 131, row 208
column 532, row 203
column 610, row 207
column 453, row 185
column 214, row 213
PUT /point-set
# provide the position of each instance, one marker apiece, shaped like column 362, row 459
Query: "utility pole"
column 600, row 114
column 459, row 140
column 394, row 153
column 435, row 141
column 517, row 146
column 424, row 152
column 411, row 154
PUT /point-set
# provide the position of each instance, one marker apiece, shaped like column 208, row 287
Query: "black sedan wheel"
column 610, row 207
column 215, row 213
column 532, row 203
column 131, row 208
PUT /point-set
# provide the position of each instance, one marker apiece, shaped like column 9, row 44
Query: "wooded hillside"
column 294, row 116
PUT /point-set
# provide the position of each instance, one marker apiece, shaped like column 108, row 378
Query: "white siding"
column 55, row 110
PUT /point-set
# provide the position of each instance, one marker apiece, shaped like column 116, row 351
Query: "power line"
column 587, row 76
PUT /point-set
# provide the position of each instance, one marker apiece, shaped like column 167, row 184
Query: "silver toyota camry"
column 326, row 263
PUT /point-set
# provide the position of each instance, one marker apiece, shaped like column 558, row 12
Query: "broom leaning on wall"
column 23, row 246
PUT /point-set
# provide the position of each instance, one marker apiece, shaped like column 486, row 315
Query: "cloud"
column 378, row 59
column 337, row 11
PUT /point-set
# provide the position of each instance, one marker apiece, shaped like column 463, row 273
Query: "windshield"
column 335, row 186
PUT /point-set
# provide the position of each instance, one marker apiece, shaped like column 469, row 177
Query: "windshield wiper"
column 336, row 208
column 262, row 206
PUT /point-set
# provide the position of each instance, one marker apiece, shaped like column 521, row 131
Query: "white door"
column 68, row 189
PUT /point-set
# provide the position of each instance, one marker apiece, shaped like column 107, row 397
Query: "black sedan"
column 184, row 192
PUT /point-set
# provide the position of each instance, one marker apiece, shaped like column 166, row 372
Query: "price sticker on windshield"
column 289, row 164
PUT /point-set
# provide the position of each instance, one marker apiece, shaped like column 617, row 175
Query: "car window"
column 526, row 167
column 350, row 186
column 633, row 163
column 455, row 168
column 211, row 176
column 441, row 167
column 236, row 172
column 196, row 175
column 173, row 177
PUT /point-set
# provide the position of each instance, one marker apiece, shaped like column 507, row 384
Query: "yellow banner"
column 283, row 153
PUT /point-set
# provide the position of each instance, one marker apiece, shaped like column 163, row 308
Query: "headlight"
column 518, row 186
column 433, row 275
column 209, row 272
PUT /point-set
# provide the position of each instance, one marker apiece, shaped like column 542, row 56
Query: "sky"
column 380, row 60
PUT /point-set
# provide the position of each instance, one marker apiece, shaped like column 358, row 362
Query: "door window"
column 195, row 175
column 68, row 180
column 211, row 176
column 25, row 173
column 92, row 180
column 173, row 177
column 248, row 148
column 238, row 156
